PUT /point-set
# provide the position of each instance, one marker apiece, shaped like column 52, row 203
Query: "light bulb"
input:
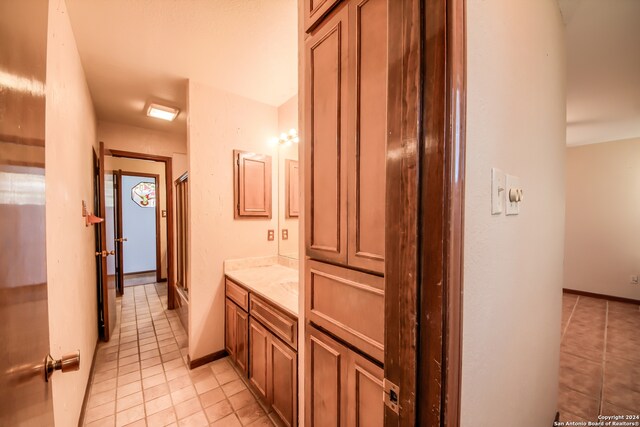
column 293, row 132
column 283, row 136
column 296, row 139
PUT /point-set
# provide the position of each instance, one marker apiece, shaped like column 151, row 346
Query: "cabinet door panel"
column 325, row 377
column 230, row 329
column 326, row 114
column 283, row 380
column 258, row 365
column 348, row 304
column 314, row 10
column 252, row 184
column 364, row 391
column 367, row 134
column 242, row 340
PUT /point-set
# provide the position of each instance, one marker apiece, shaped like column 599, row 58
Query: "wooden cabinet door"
column 325, row 377
column 326, row 83
column 258, row 364
column 367, row 134
column 242, row 340
column 365, row 406
column 283, row 381
column 314, row 10
column 230, row 328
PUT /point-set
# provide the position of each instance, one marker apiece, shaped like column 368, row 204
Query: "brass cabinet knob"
column 111, row 253
column 121, row 239
column 67, row 363
column 102, row 253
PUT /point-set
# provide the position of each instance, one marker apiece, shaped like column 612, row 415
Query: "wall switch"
column 513, row 195
column 497, row 191
column 164, row 213
column 634, row 280
column 285, row 234
column 270, row 235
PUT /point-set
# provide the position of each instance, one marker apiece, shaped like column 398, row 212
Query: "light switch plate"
column 497, row 191
column 512, row 182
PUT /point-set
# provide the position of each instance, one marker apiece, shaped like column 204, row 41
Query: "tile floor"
column 141, row 377
column 599, row 359
column 135, row 279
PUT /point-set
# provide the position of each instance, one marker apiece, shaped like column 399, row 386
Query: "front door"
column 24, row 323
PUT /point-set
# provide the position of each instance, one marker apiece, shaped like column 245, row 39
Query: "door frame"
column 158, row 218
column 425, row 210
column 168, row 172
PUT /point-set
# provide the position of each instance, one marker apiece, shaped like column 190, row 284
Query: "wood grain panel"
column 258, row 364
column 347, row 303
column 364, row 393
column 325, row 374
column 252, row 184
column 230, row 328
column 238, row 294
column 326, row 114
column 367, row 139
column 283, row 381
column 314, row 10
column 275, row 319
column 242, row 340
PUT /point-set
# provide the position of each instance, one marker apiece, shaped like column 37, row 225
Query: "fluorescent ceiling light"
column 162, row 112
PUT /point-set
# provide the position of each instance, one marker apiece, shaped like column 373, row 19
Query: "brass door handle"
column 67, row 363
column 105, row 254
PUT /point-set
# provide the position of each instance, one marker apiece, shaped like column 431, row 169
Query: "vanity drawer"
column 347, row 303
column 237, row 294
column 277, row 321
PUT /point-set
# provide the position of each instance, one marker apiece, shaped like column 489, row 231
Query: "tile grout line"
column 569, row 319
column 604, row 358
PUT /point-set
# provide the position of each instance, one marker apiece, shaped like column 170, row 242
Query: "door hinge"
column 391, row 395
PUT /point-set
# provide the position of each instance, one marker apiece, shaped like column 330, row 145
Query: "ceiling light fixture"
column 162, row 112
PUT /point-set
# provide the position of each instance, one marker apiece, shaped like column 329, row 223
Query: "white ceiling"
column 603, row 70
column 136, row 51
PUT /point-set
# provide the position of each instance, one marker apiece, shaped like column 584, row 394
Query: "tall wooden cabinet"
column 345, row 102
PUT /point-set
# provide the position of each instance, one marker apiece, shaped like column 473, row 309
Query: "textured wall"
column 602, row 249
column 71, row 271
column 513, row 265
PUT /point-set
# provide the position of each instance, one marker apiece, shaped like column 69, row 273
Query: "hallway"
column 599, row 358
column 141, row 377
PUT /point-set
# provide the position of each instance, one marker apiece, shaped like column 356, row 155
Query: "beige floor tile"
column 199, row 419
column 219, row 410
column 233, row 387
column 241, row 399
column 162, row 418
column 156, row 391
column 151, row 371
column 183, row 394
column 101, row 398
column 158, row 404
column 128, row 389
column 187, row 408
column 129, row 401
column 130, row 415
column 250, row 413
column 153, row 380
column 100, row 411
column 109, row 421
column 228, row 421
column 211, row 397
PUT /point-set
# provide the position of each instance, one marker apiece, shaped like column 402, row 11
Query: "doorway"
column 140, row 216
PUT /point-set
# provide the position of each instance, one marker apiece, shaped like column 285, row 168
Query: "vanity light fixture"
column 162, row 112
column 286, row 138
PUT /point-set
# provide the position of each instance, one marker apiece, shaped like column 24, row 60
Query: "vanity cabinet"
column 343, row 387
column 263, row 343
column 346, row 133
column 236, row 334
column 274, row 372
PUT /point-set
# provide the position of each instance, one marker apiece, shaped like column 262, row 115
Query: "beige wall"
column 71, row 272
column 287, row 119
column 602, row 245
column 513, row 264
column 220, row 122
column 135, row 165
column 118, row 136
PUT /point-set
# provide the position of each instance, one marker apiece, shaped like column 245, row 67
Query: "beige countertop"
column 276, row 283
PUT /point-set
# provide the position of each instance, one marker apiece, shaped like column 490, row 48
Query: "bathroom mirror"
column 288, row 201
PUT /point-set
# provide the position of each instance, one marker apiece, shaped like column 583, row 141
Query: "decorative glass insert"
column 144, row 194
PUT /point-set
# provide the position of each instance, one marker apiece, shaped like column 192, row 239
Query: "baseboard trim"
column 601, row 296
column 88, row 387
column 162, row 280
column 206, row 359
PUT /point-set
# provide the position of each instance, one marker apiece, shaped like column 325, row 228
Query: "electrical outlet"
column 285, row 234
column 634, row 280
column 270, row 235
